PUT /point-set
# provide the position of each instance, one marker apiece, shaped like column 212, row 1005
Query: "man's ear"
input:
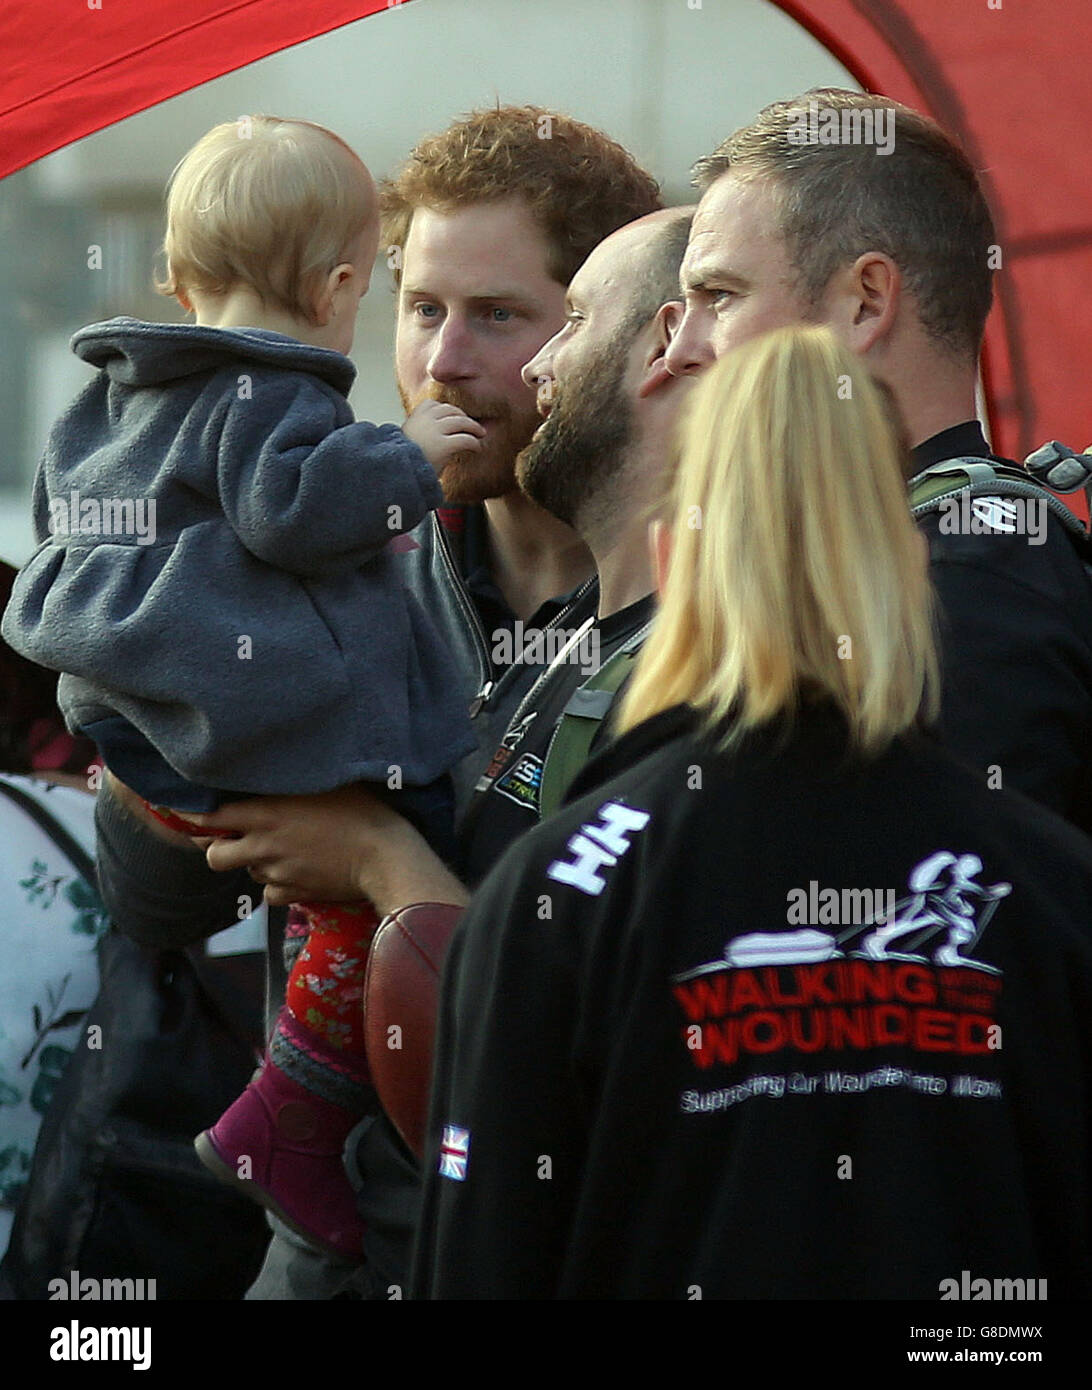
column 863, row 300
column 659, row 547
column 654, row 372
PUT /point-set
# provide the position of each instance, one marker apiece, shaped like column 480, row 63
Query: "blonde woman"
column 786, row 1003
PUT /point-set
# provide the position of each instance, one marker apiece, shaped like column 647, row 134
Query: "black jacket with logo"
column 507, row 796
column 676, row 1058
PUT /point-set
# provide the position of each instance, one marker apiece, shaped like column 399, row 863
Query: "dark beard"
column 582, row 444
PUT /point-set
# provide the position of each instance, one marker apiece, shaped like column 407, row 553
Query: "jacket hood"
column 150, row 354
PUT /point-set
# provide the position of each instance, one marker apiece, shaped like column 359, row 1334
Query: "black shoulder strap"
column 222, row 999
column 61, row 837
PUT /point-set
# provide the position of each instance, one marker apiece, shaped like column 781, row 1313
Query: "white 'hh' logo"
column 598, row 846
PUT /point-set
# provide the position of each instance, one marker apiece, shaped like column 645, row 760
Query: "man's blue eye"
column 506, row 314
column 424, row 310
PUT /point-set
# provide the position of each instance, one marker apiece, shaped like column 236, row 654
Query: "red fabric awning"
column 1011, row 82
column 69, row 70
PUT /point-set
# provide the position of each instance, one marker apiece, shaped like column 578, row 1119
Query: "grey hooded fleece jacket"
column 260, row 637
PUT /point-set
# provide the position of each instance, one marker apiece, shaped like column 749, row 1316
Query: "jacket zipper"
column 484, row 783
column 548, row 671
column 490, row 687
column 494, row 687
column 485, row 665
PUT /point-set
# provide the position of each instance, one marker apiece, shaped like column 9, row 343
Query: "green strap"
column 932, row 487
column 956, row 475
column 580, row 719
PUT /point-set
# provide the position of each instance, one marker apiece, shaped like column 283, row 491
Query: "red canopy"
column 1011, row 82
column 69, row 69
column 1012, row 85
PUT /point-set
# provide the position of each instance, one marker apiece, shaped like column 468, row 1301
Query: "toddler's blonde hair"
column 267, row 202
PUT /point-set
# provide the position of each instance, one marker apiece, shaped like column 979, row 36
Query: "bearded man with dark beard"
column 596, row 463
column 582, row 444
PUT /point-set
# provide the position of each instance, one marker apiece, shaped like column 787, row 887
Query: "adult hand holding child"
column 336, row 846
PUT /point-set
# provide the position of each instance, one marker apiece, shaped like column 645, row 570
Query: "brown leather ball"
column 401, row 1000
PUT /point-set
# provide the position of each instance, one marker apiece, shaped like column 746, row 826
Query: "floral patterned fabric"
column 325, row 992
column 49, row 974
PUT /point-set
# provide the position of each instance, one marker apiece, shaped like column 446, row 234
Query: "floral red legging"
column 325, row 992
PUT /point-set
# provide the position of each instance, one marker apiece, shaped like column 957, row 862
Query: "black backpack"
column 115, row 1189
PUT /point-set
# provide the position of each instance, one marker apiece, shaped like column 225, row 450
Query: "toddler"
column 214, row 579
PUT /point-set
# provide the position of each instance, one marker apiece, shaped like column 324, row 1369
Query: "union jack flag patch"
column 454, row 1152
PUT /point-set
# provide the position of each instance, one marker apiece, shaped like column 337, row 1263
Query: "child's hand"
column 441, row 431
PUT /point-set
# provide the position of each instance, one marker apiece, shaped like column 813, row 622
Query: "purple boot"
column 281, row 1146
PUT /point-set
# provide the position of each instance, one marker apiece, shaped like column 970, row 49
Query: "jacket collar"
column 959, row 441
column 135, row 353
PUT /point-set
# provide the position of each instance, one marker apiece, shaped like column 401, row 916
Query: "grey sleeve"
column 311, row 497
column 156, row 893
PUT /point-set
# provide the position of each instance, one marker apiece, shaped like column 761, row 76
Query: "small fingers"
column 450, row 416
column 458, row 423
column 461, row 442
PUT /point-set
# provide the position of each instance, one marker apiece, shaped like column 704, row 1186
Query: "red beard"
column 476, row 475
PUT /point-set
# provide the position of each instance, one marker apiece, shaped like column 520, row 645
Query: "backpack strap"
column 46, row 821
column 221, row 994
column 933, row 486
column 580, row 720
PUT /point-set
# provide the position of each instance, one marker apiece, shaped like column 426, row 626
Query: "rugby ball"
column 401, row 1001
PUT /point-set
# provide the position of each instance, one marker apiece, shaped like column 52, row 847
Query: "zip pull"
column 480, row 700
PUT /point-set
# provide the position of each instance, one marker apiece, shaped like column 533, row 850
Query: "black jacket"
column 1016, row 645
column 449, row 574
column 666, row 1064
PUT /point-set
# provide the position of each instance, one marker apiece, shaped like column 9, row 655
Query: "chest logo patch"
column 522, row 783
